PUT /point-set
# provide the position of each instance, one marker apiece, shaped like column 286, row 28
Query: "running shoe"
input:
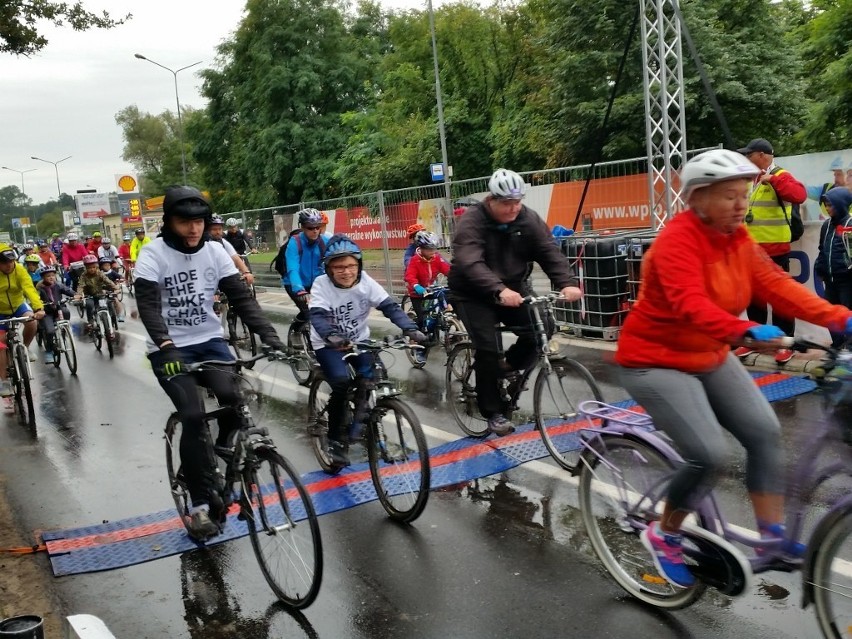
column 667, row 551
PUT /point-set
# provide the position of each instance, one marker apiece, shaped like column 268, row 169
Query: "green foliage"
column 19, row 22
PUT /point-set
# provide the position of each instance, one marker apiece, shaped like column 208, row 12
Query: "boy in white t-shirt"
column 176, row 277
column 341, row 301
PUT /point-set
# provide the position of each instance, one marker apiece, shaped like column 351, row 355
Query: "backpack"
column 794, row 220
column 279, row 264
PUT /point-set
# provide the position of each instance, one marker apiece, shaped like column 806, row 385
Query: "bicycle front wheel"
column 107, row 332
column 68, row 347
column 244, row 341
column 177, row 482
column 832, row 580
column 399, row 459
column 461, row 391
column 24, row 392
column 318, row 423
column 304, row 368
column 454, row 333
column 283, row 528
column 558, row 393
column 621, row 490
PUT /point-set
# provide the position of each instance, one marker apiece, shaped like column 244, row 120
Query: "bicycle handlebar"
column 397, row 343
column 18, row 320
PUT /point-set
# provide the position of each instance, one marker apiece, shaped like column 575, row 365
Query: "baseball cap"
column 757, row 145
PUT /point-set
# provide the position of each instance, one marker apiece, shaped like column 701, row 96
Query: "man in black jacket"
column 495, row 244
column 176, row 278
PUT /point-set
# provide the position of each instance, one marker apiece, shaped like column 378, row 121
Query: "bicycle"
column 440, row 325
column 63, row 343
column 245, row 258
column 559, row 387
column 104, row 327
column 397, row 453
column 239, row 336
column 128, row 277
column 272, row 500
column 624, row 469
column 304, row 363
column 18, row 369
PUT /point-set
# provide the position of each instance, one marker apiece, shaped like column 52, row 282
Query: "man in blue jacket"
column 303, row 257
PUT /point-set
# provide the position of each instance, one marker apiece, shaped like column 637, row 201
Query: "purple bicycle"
column 624, row 469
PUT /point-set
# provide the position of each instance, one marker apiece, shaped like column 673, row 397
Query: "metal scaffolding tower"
column 665, row 118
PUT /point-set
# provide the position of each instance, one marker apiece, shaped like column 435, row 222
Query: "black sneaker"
column 500, row 426
column 338, row 453
column 201, row 527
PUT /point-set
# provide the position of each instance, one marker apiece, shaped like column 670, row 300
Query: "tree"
column 19, row 22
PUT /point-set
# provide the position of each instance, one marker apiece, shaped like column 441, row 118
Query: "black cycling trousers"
column 197, row 459
column 480, row 320
column 48, row 327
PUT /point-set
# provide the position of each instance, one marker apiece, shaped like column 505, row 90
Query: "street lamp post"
column 441, row 131
column 23, row 190
column 177, row 101
column 55, row 168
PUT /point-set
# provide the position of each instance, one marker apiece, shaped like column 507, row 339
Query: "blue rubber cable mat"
column 144, row 538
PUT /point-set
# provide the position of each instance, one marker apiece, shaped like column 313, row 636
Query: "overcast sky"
column 63, row 101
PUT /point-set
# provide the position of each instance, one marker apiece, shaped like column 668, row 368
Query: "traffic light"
column 134, row 207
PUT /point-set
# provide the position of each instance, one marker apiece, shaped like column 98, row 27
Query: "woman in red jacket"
column 701, row 273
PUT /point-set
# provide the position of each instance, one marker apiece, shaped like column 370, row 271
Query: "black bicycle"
column 63, row 343
column 561, row 384
column 104, row 327
column 304, row 361
column 396, row 446
column 18, row 369
column 240, row 338
column 440, row 324
column 268, row 492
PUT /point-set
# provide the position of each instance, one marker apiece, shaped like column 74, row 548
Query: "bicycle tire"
column 399, row 459
column 244, row 342
column 105, row 323
column 57, row 348
column 831, row 581
column 617, row 500
column 81, row 310
column 276, row 504
column 318, row 423
column 307, row 358
column 129, row 282
column 69, row 348
column 410, row 353
column 24, row 398
column 177, row 483
column 454, row 333
column 557, row 395
column 461, row 391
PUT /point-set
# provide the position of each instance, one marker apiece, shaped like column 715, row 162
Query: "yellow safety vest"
column 766, row 222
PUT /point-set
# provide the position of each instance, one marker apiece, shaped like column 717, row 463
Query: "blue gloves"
column 766, row 332
column 419, row 290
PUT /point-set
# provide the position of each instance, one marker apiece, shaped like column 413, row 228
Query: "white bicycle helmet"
column 714, row 166
column 232, row 221
column 507, row 184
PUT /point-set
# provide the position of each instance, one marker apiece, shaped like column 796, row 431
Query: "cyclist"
column 304, row 259
column 92, row 282
column 26, row 249
column 32, row 263
column 15, row 285
column 124, row 249
column 94, row 244
column 45, row 254
column 56, row 246
column 51, row 292
column 423, row 269
column 216, row 231
column 108, row 268
column 495, row 244
column 236, row 237
column 674, row 350
column 176, row 277
column 139, row 240
column 73, row 253
column 106, row 249
column 341, row 301
column 412, row 232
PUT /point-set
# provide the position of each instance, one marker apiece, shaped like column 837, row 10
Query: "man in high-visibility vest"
column 768, row 223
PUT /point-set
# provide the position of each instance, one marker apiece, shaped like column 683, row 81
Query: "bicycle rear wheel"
column 24, row 393
column 461, row 391
column 177, row 483
column 618, row 499
column 283, row 528
column 454, row 333
column 68, row 347
column 106, row 330
column 318, row 423
column 244, row 341
column 399, row 459
column 304, row 369
column 832, row 579
column 558, row 393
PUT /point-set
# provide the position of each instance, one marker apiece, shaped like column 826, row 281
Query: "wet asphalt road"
column 503, row 556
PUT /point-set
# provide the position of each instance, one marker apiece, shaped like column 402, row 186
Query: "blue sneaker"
column 774, row 532
column 667, row 552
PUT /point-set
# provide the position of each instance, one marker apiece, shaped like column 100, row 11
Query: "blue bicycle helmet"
column 341, row 246
column 310, row 217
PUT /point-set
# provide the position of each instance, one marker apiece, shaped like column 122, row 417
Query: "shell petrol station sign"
column 126, row 183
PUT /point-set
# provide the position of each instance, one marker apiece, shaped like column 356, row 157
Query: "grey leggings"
column 693, row 409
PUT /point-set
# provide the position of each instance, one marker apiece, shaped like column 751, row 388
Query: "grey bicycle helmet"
column 217, row 219
column 310, row 217
column 506, row 184
column 425, row 239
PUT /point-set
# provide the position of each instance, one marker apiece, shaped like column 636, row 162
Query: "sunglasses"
column 311, row 228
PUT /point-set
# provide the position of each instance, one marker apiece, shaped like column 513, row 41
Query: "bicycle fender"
column 831, row 518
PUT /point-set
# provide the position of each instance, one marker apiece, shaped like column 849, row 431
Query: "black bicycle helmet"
column 186, row 202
